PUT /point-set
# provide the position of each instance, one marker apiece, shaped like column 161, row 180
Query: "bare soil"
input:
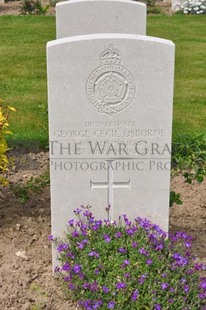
column 25, row 253
column 14, row 8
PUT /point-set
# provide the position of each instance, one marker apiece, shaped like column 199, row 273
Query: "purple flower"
column 180, row 260
column 135, row 295
column 93, row 254
column 80, row 245
column 190, row 271
column 145, row 223
column 70, row 254
column 142, row 278
column 159, row 247
column 99, row 222
column 62, row 247
column 120, row 285
column 134, row 245
column 94, row 286
column 122, row 250
column 203, row 284
column 126, row 262
column 81, row 276
column 187, row 244
column 77, row 211
column 202, row 295
column 66, row 267
column 68, row 278
column 198, row 266
column 86, row 285
column 51, row 238
column 107, row 239
column 127, row 275
column 131, row 231
column 105, row 289
column 71, row 222
column 111, row 305
column 71, row 286
column 118, row 234
column 183, row 235
column 164, row 286
column 158, row 229
column 75, row 234
column 95, row 227
column 186, row 288
column 77, row 269
column 158, row 307
column 143, row 252
column 87, row 214
column 127, row 222
column 56, row 269
column 149, row 262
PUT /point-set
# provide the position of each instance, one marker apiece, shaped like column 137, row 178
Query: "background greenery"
column 23, row 71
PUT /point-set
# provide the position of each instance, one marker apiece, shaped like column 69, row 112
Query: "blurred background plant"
column 4, row 124
column 33, row 7
column 189, row 156
column 191, row 7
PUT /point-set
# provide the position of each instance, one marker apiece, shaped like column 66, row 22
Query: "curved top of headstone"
column 81, row 17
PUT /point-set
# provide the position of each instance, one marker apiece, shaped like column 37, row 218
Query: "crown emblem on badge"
column 110, row 56
column 110, row 87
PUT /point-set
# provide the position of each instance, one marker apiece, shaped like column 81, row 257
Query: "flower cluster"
column 194, row 7
column 129, row 265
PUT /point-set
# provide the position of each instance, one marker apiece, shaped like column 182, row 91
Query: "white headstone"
column 79, row 17
column 110, row 120
column 176, row 5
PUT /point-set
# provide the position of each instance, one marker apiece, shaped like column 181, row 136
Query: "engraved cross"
column 110, row 184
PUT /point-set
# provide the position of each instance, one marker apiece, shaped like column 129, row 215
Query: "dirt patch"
column 10, row 8
column 25, row 265
column 14, row 8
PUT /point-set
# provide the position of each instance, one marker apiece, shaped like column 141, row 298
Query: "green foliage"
column 154, row 10
column 33, row 186
column 128, row 265
column 189, row 156
column 175, row 198
column 54, row 2
column 33, row 7
column 150, row 3
column 4, row 124
column 179, row 12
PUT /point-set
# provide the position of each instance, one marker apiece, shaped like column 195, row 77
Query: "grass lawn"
column 23, row 71
column 23, row 74
column 188, row 34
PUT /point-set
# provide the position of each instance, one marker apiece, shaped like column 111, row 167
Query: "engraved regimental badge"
column 110, row 87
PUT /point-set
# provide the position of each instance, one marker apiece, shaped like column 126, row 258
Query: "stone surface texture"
column 79, row 17
column 110, row 104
